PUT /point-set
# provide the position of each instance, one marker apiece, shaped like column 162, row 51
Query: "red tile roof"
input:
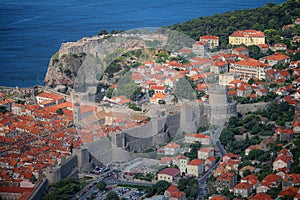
column 209, row 37
column 277, row 57
column 248, row 33
column 261, row 196
column 251, row 63
column 170, row 171
column 292, row 191
column 195, row 162
column 243, row 185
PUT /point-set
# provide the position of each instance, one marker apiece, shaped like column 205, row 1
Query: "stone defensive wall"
column 115, row 148
column 245, row 108
column 69, row 167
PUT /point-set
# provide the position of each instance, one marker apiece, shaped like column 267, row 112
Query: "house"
column 46, row 99
column 174, row 193
column 285, row 133
column 252, row 179
column 183, row 161
column 282, row 161
column 240, row 50
column 121, row 100
column 230, row 156
column 219, row 67
column 289, row 192
column 157, row 97
column 211, row 40
column 203, row 139
column 172, row 149
column 168, row 174
column 204, row 153
column 263, row 48
column 195, row 167
column 261, row 196
column 243, row 91
column 210, row 161
column 226, row 180
column 200, row 48
column 277, row 58
column 217, row 197
column 291, row 180
column 270, row 181
column 247, row 37
column 158, row 88
column 243, row 189
column 250, row 68
column 279, row 47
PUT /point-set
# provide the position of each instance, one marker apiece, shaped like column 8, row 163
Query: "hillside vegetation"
column 269, row 18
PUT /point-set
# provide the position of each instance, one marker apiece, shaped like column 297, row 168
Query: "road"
column 109, row 180
column 215, row 134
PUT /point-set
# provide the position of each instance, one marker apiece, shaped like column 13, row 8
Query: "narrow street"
column 215, row 134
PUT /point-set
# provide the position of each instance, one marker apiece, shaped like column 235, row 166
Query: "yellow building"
column 247, row 37
column 195, row 167
column 168, row 174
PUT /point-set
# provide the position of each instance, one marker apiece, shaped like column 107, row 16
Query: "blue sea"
column 31, row 31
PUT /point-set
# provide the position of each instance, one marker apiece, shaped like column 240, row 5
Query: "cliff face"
column 63, row 70
column 84, row 61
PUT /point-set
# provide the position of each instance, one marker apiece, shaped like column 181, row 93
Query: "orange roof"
column 195, row 162
column 277, row 56
column 15, row 189
column 235, row 81
column 226, row 176
column 172, row 188
column 271, row 178
column 177, row 194
column 200, row 43
column 292, row 191
column 220, row 64
column 248, row 33
column 231, row 92
column 172, row 145
column 157, row 87
column 263, row 46
column 218, row 197
column 50, row 96
column 211, row 159
column 243, row 185
column 197, row 135
column 251, row 63
column 240, row 48
column 261, row 196
column 283, row 158
column 209, row 37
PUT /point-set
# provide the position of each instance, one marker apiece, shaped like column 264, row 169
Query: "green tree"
column 102, row 32
column 3, row 109
column 109, row 92
column 193, row 154
column 60, row 111
column 112, row 195
column 101, row 185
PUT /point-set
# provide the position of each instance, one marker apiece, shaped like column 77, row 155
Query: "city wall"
column 245, row 108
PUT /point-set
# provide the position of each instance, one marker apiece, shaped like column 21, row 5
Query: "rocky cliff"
column 63, row 70
column 85, row 61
